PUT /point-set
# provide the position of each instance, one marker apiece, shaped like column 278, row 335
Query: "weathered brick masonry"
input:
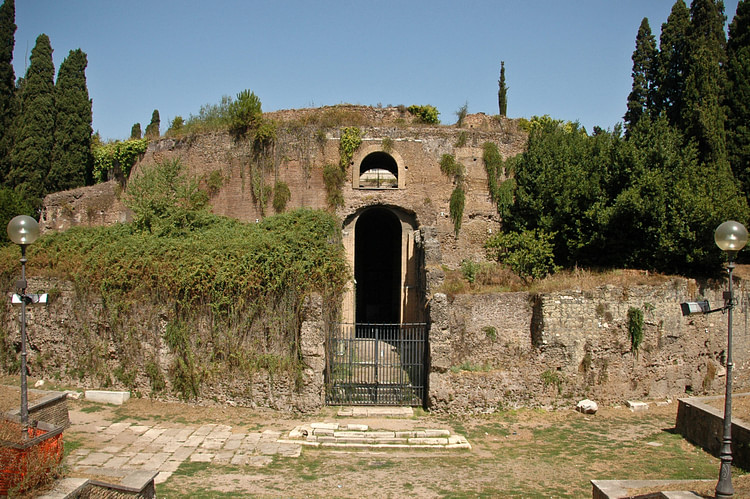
column 486, row 351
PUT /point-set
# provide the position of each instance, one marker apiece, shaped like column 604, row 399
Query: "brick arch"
column 374, row 151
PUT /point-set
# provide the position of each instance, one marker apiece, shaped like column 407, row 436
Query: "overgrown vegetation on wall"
column 116, row 159
column 452, row 168
column 231, row 293
column 334, row 176
column 501, row 191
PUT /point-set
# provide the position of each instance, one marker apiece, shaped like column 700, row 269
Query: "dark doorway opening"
column 377, row 267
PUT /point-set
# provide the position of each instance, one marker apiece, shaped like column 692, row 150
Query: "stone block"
column 636, row 406
column 324, row 426
column 357, row 427
column 437, row 433
column 107, row 397
column 428, row 441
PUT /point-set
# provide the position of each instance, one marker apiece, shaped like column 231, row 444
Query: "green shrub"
column 244, row 112
column 155, row 376
column 456, row 207
column 265, row 135
column 281, row 196
column 461, row 115
column 553, row 378
column 461, row 139
column 117, row 158
column 490, row 332
column 163, row 199
column 529, row 254
column 214, row 182
column 176, row 126
column 635, row 328
column 449, row 166
column 334, row 177
column 470, row 269
column 233, row 291
column 425, row 114
column 351, row 138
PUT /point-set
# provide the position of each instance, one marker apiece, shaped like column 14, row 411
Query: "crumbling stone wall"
column 510, row 349
column 308, row 139
column 76, row 340
column 487, row 351
column 93, row 206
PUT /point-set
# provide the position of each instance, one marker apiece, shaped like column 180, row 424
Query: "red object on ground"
column 39, row 454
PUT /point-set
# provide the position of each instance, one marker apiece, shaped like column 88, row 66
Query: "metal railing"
column 376, row 364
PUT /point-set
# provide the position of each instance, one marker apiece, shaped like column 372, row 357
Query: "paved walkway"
column 163, row 447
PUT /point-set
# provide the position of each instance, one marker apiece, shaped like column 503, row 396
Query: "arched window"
column 378, row 170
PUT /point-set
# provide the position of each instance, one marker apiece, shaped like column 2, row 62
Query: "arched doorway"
column 377, row 355
column 377, row 267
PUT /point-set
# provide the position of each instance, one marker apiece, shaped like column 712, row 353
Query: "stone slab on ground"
column 376, row 411
column 636, row 406
column 619, row 489
column 107, row 397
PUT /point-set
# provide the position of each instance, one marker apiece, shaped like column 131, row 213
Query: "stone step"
column 335, row 435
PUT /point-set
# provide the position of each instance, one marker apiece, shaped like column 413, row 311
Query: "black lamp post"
column 23, row 230
column 731, row 237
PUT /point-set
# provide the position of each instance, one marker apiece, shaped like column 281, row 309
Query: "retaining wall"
column 703, row 425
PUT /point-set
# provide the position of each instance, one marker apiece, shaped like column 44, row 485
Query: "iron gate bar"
column 376, row 364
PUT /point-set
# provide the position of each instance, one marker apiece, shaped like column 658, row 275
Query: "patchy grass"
column 540, row 453
column 492, row 277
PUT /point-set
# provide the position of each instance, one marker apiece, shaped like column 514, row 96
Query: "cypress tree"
column 703, row 114
column 7, row 83
column 671, row 64
column 135, row 132
column 737, row 95
column 641, row 99
column 72, row 161
column 32, row 150
column 152, row 130
column 502, row 93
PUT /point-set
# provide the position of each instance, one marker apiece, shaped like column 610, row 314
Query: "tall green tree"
column 7, row 83
column 561, row 190
column 32, row 150
column 135, row 132
column 72, row 161
column 665, row 217
column 646, row 202
column 671, row 64
column 703, row 114
column 640, row 100
column 737, row 95
column 502, row 92
column 152, row 129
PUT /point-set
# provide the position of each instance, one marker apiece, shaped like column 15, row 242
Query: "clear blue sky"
column 568, row 59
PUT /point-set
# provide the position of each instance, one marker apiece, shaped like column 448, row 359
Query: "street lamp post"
column 731, row 237
column 23, row 230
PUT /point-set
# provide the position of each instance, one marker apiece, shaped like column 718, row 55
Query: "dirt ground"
column 10, row 398
column 521, row 453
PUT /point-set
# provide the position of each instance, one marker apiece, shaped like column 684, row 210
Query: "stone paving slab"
column 162, row 448
column 333, row 434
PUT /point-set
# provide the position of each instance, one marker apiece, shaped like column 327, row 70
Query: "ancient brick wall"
column 487, row 351
column 505, row 349
column 308, row 139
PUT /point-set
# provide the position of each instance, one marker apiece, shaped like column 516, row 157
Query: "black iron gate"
column 376, row 364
